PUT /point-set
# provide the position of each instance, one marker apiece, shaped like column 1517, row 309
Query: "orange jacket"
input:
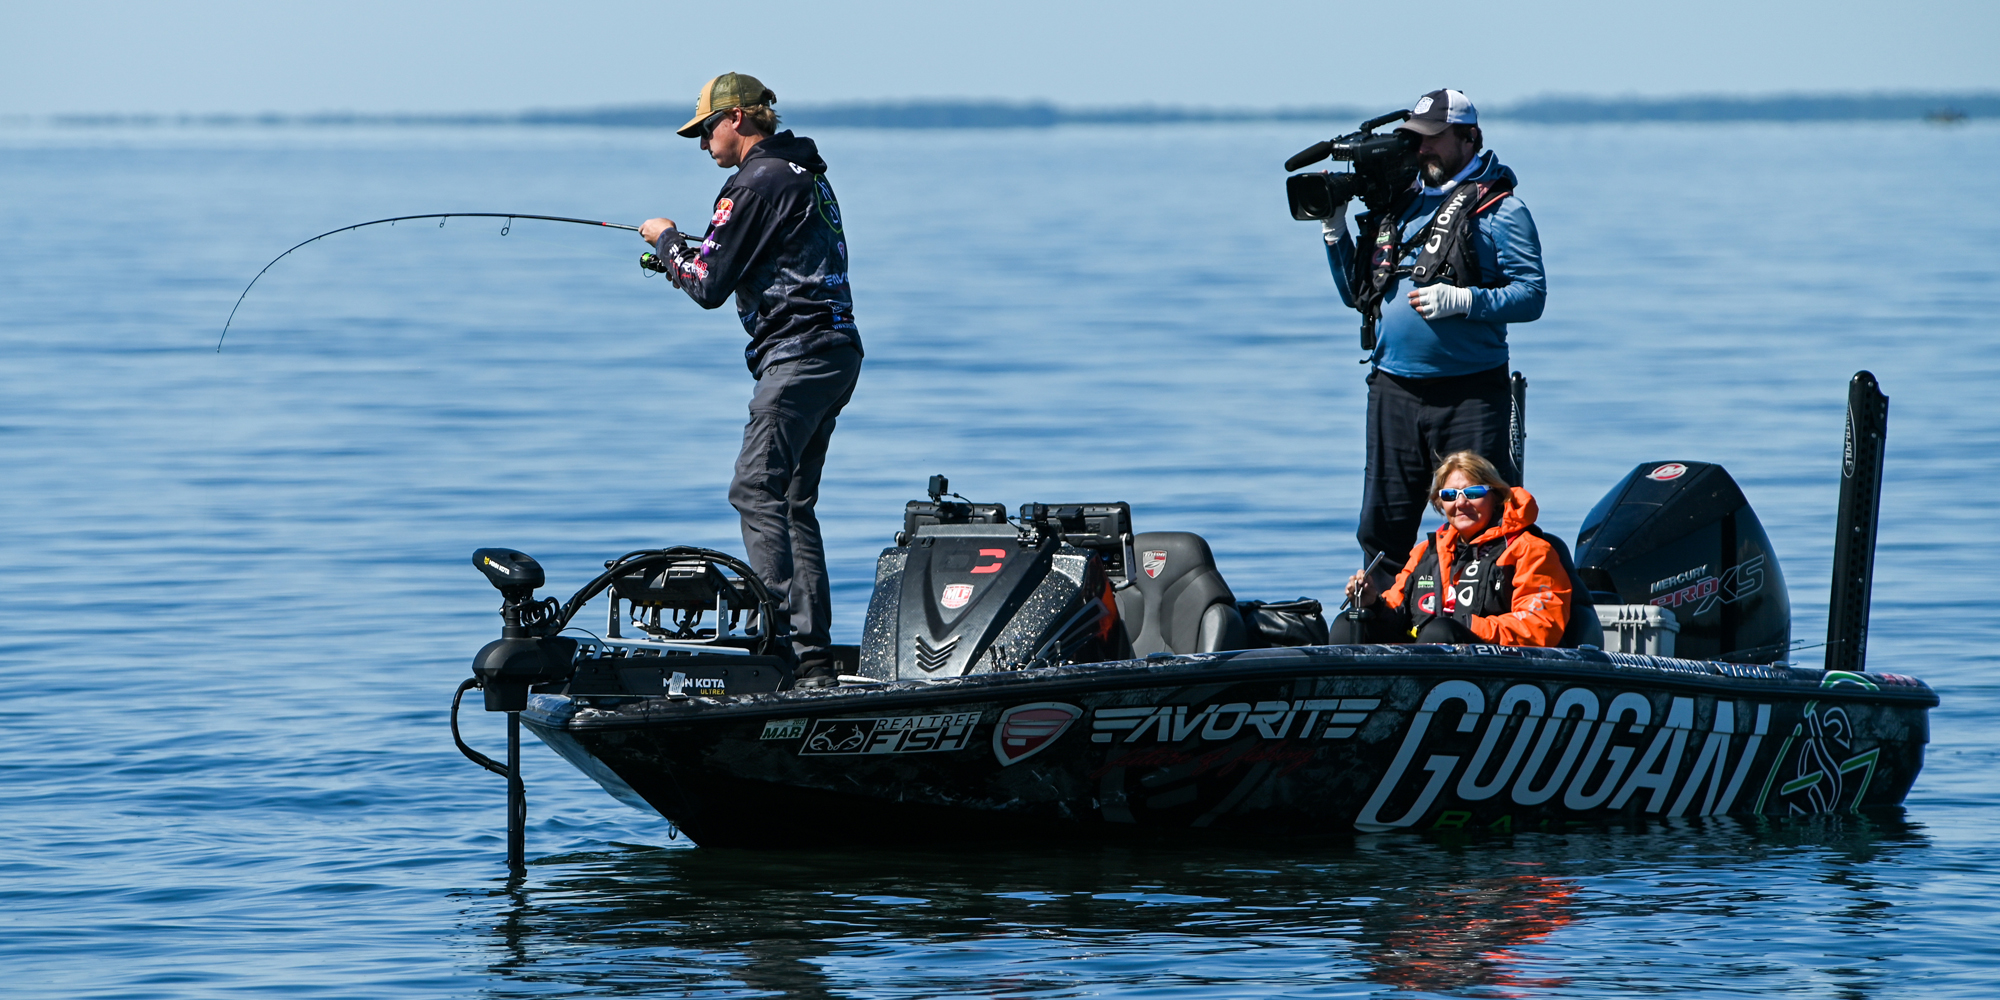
column 1530, row 601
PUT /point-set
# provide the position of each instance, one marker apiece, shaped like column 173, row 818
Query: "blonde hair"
column 761, row 118
column 1476, row 468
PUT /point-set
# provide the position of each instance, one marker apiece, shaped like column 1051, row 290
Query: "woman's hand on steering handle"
column 1361, row 589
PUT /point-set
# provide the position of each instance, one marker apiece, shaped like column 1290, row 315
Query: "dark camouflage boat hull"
column 1290, row 742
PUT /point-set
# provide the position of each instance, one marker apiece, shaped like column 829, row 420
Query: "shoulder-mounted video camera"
column 1383, row 166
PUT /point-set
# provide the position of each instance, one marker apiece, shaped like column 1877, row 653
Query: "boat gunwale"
column 1228, row 667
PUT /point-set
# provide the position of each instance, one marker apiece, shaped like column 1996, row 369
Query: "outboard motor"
column 1681, row 536
column 964, row 591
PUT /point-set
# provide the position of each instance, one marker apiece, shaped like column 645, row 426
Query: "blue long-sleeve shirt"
column 1411, row 346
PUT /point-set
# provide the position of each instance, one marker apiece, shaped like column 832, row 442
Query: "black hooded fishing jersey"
column 775, row 242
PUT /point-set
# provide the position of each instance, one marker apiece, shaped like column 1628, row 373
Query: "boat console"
column 967, row 590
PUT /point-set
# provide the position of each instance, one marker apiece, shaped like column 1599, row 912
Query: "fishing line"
column 440, row 216
column 570, row 250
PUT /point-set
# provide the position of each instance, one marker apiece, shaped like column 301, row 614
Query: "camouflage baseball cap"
column 730, row 90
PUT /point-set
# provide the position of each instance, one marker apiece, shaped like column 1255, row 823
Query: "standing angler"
column 1474, row 263
column 775, row 242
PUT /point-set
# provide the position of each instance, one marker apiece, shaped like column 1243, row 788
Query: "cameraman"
column 1438, row 384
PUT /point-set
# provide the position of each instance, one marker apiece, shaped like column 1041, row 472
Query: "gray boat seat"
column 1584, row 628
column 1177, row 602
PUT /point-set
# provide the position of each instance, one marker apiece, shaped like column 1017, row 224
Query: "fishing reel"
column 650, row 261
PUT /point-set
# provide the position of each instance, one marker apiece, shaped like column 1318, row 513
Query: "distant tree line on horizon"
column 928, row 114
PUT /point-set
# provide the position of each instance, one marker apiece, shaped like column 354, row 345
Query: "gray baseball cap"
column 1439, row 109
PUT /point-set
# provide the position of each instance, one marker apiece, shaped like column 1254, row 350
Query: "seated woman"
column 1486, row 576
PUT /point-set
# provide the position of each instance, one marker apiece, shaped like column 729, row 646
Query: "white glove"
column 1440, row 301
column 1334, row 226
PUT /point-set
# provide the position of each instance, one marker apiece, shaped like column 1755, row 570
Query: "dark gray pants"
column 777, row 484
column 1413, row 423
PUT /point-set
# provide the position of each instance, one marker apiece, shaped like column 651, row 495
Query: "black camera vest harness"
column 1447, row 251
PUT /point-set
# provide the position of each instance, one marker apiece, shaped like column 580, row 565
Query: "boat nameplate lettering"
column 1308, row 718
column 784, row 729
column 894, row 734
column 1663, row 760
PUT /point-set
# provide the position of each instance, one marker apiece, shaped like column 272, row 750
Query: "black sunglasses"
column 712, row 122
column 1449, row 495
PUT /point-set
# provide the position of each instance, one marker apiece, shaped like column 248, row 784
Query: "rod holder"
column 1517, row 426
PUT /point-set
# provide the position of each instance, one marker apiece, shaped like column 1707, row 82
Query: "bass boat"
column 1053, row 674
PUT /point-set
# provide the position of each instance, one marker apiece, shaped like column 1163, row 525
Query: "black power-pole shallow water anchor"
column 1854, row 531
column 440, row 216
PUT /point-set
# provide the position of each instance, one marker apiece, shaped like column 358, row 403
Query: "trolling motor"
column 707, row 609
column 527, row 653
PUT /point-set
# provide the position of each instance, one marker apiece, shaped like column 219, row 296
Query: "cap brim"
column 692, row 129
column 1422, row 126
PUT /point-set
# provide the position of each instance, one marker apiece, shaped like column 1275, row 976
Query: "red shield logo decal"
column 1428, row 603
column 956, row 595
column 1671, row 470
column 1024, row 730
column 1153, row 561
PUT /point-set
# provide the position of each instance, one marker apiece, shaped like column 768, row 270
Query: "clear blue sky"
column 458, row 55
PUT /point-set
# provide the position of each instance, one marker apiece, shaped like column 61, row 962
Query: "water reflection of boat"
column 1466, row 935
column 1054, row 675
column 1480, row 916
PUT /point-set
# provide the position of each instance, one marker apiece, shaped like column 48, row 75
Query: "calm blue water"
column 237, row 594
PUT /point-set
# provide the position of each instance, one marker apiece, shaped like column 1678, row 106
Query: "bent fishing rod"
column 647, row 261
